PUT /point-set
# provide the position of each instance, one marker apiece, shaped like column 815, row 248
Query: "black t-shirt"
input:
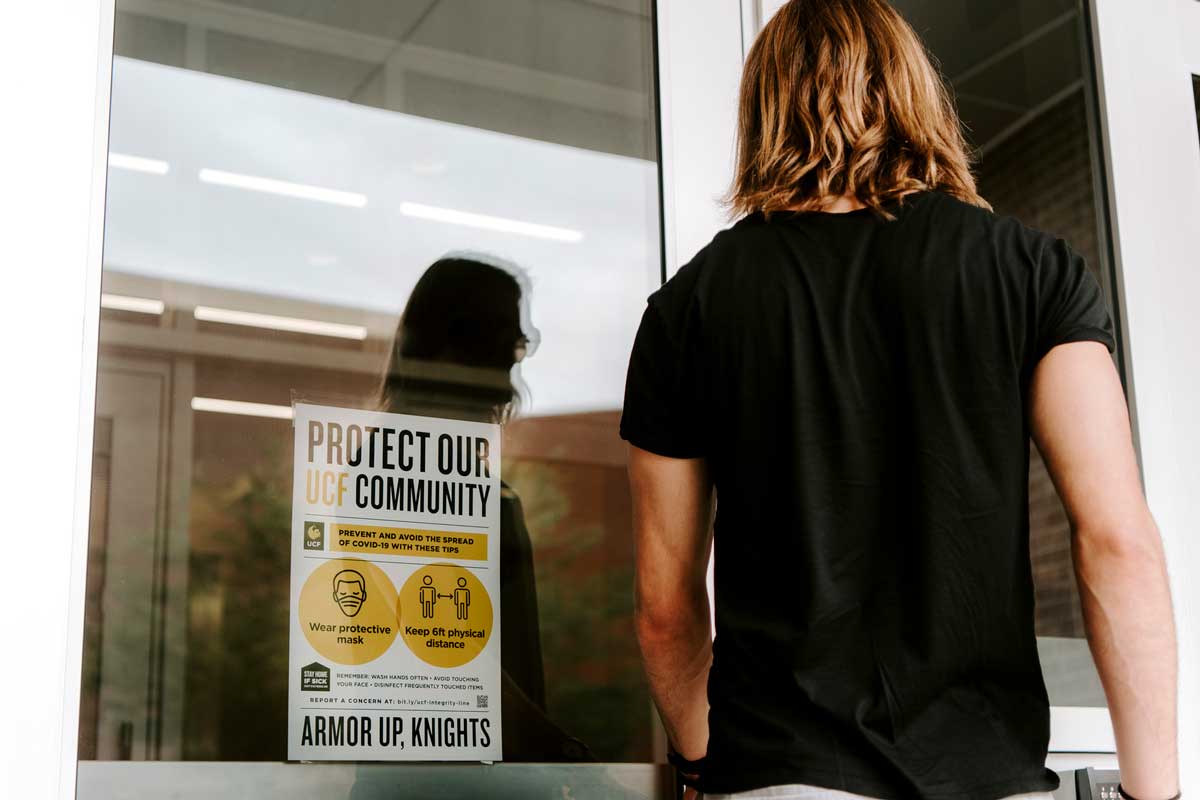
column 858, row 388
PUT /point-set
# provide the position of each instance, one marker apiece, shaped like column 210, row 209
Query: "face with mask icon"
column 349, row 591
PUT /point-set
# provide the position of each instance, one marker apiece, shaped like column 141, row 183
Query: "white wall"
column 54, row 61
column 1154, row 176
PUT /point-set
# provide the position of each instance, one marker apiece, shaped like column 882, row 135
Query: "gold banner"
column 408, row 542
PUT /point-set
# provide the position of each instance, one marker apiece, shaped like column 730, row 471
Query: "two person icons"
column 429, row 596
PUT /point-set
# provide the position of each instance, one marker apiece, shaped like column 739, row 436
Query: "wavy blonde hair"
column 839, row 97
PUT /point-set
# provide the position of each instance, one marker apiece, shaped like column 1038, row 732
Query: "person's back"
column 860, row 389
column 856, row 386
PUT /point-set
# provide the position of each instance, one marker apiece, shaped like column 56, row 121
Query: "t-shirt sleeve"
column 659, row 413
column 1069, row 302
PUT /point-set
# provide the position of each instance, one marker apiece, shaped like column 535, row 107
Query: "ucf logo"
column 314, row 536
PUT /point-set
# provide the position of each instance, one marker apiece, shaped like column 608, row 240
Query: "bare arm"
column 672, row 509
column 1081, row 426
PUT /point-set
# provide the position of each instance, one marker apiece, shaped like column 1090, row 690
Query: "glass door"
column 444, row 208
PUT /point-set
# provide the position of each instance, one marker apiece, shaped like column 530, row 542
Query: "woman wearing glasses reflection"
column 456, row 354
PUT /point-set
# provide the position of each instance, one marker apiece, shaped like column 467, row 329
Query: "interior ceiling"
column 395, row 18
column 1007, row 61
column 602, row 42
column 392, row 20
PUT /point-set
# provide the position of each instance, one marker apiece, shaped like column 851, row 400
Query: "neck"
column 837, row 204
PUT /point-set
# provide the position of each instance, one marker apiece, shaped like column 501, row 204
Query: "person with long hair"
column 457, row 351
column 850, row 376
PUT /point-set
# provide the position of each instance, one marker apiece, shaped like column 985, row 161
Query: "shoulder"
column 950, row 213
column 998, row 225
column 1006, row 239
column 727, row 251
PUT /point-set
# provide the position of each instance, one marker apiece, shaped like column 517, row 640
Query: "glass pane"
column 283, row 175
column 1021, row 77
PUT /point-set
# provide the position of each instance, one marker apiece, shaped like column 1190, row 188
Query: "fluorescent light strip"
column 219, row 406
column 138, row 164
column 485, row 222
column 285, row 188
column 230, row 316
column 140, row 305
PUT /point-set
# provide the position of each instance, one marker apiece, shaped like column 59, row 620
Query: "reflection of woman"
column 464, row 327
column 463, row 330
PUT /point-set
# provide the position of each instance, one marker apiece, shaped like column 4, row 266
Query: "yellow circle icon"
column 348, row 611
column 445, row 615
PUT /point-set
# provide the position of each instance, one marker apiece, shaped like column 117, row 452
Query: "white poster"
column 395, row 596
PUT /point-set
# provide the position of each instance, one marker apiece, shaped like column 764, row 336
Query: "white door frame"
column 1146, row 53
column 699, row 67
column 55, row 68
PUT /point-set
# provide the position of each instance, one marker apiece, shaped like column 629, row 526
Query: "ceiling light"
column 219, row 406
column 140, row 305
column 285, row 188
column 138, row 164
column 485, row 222
column 316, row 327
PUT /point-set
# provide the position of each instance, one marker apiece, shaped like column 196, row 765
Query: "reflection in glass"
column 463, row 333
column 282, row 176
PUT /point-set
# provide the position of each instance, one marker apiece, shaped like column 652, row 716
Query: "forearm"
column 677, row 653
column 1130, row 627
